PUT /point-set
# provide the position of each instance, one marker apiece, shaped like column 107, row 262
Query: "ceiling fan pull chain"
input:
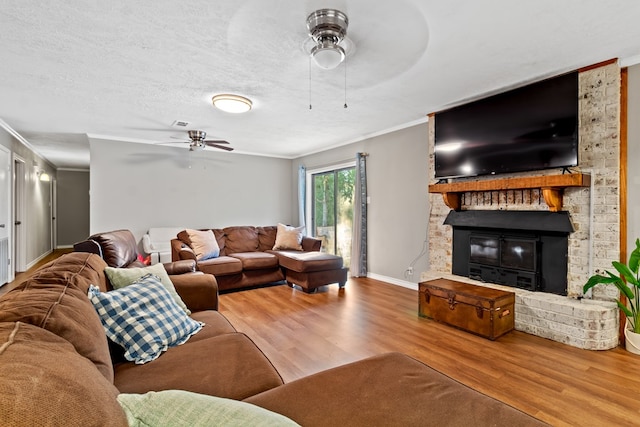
column 310, row 83
column 345, row 82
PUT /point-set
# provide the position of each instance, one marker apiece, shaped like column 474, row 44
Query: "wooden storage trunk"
column 483, row 311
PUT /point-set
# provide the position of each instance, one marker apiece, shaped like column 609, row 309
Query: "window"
column 330, row 208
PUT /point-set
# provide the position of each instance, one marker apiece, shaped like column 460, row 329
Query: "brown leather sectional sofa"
column 247, row 259
column 57, row 367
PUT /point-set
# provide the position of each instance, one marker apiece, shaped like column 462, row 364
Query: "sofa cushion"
column 121, row 277
column 55, row 299
column 143, row 318
column 214, row 324
column 221, row 266
column 241, row 239
column 44, row 381
column 390, row 389
column 288, row 238
column 229, row 365
column 256, row 260
column 266, row 237
column 179, row 408
column 79, row 269
column 305, row 262
column 203, row 243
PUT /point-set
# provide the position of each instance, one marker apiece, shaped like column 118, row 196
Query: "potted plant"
column 630, row 288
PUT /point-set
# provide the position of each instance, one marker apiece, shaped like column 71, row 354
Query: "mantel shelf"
column 552, row 187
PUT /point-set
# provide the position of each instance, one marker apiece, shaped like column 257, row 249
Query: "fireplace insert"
column 524, row 249
column 507, row 260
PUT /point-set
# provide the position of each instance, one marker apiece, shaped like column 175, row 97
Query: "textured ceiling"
column 127, row 70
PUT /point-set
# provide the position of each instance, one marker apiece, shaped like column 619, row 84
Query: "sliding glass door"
column 332, row 209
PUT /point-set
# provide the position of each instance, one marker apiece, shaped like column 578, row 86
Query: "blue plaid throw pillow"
column 143, row 318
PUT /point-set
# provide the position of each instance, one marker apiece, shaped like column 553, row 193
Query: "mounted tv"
column 530, row 128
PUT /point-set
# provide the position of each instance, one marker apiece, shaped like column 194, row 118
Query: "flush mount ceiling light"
column 327, row 27
column 232, row 103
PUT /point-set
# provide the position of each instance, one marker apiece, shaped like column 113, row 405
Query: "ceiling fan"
column 198, row 142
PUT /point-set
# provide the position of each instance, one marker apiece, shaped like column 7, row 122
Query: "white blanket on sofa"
column 157, row 243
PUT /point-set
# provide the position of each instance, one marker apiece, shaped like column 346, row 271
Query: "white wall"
column 633, row 183
column 397, row 187
column 138, row 186
column 37, row 220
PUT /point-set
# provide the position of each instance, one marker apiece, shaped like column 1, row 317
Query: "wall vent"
column 180, row 124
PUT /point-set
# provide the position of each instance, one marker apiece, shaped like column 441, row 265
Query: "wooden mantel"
column 552, row 187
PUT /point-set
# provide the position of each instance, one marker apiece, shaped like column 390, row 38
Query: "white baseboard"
column 35, row 261
column 64, row 246
column 393, row 281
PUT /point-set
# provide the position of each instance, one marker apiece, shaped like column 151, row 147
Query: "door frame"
column 9, row 207
column 53, row 195
column 19, row 243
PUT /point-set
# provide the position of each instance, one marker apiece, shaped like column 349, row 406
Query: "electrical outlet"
column 409, row 271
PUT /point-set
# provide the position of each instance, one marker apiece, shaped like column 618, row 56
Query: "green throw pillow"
column 121, row 277
column 178, row 408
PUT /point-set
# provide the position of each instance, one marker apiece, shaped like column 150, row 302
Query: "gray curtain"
column 358, row 267
column 302, row 194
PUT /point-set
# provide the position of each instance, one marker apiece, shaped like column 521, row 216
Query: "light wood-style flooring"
column 562, row 385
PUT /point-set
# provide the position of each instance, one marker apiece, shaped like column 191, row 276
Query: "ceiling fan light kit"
column 327, row 27
column 232, row 103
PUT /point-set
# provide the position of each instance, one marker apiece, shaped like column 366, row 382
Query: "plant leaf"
column 598, row 279
column 634, row 258
column 625, row 272
column 625, row 309
column 626, row 290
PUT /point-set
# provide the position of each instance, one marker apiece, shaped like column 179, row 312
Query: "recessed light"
column 232, row 103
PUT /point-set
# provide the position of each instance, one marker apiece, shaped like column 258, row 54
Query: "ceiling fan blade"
column 215, row 141
column 222, row 147
column 170, row 142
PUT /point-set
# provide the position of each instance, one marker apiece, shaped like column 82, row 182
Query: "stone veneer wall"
column 595, row 214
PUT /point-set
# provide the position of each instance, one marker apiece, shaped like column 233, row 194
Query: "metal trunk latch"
column 452, row 300
column 427, row 296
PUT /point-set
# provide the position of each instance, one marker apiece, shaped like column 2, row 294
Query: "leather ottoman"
column 310, row 270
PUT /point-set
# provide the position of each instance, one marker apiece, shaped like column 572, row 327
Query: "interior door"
column 19, row 237
column 5, row 213
column 54, row 214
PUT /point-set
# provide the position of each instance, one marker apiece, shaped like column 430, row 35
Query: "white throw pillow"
column 203, row 243
column 288, row 238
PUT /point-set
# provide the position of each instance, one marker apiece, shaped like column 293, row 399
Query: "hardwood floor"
column 562, row 385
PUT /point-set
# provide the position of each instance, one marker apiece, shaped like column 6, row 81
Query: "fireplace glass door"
column 484, row 250
column 518, row 253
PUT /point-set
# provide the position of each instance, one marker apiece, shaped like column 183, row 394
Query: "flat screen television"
column 530, row 128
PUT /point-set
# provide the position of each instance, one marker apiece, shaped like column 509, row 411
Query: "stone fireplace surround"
column 594, row 212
